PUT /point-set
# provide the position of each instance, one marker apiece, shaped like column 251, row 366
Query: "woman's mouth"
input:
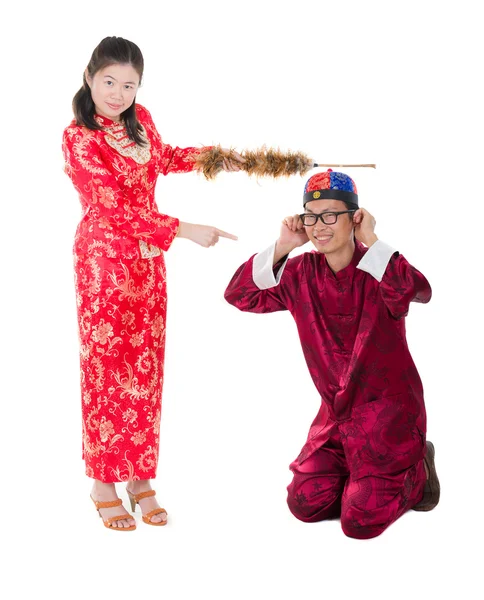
column 114, row 106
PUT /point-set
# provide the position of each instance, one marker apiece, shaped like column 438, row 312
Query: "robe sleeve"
column 170, row 159
column 260, row 287
column 101, row 195
column 400, row 283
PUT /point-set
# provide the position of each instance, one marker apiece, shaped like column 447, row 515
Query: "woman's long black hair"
column 111, row 50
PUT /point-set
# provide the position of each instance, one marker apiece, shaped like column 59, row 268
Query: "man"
column 366, row 458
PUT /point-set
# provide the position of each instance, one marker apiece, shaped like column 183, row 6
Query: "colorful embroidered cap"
column 331, row 185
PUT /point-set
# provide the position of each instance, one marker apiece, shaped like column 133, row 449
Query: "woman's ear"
column 87, row 77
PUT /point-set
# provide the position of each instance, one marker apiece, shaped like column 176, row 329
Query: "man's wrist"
column 281, row 250
column 370, row 240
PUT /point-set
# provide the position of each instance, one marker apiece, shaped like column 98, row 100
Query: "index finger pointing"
column 226, row 235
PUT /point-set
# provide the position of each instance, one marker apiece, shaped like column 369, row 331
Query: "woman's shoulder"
column 144, row 117
column 143, row 113
column 74, row 129
column 75, row 134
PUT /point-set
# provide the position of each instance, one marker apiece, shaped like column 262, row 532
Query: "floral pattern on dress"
column 120, row 283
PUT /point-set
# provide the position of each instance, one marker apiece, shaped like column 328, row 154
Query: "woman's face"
column 113, row 89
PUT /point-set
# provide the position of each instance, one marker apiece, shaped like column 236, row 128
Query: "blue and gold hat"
column 331, row 185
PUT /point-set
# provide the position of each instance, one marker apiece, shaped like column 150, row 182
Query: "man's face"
column 329, row 238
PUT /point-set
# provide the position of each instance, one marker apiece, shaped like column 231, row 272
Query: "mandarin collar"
column 349, row 270
column 107, row 122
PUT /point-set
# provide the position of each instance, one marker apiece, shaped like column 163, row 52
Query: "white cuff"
column 376, row 259
column 262, row 269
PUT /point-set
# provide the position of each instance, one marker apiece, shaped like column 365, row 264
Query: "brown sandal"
column 135, row 498
column 109, row 522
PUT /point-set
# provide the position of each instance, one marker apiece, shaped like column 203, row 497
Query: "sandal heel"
column 132, row 501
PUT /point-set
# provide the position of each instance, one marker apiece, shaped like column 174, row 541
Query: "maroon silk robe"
column 363, row 456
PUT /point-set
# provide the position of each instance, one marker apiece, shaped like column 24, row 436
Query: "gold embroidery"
column 316, row 194
column 118, row 139
column 148, row 250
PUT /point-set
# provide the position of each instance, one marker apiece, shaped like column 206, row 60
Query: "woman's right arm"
column 204, row 235
column 99, row 189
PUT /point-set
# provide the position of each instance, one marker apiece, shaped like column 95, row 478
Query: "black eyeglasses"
column 328, row 218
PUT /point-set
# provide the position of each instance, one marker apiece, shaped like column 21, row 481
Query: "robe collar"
column 350, row 269
column 106, row 122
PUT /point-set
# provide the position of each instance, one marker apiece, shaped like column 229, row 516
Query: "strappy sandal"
column 135, row 498
column 109, row 522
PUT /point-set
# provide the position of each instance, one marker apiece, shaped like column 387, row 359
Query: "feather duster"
column 262, row 162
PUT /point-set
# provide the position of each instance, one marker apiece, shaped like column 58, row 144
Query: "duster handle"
column 327, row 165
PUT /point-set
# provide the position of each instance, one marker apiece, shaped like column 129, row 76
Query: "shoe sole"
column 431, row 495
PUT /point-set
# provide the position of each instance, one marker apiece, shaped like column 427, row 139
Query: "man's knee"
column 310, row 501
column 362, row 525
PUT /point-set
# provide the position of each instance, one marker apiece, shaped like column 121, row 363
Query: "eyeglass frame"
column 328, row 212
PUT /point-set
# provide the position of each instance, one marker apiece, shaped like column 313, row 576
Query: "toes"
column 123, row 523
column 158, row 518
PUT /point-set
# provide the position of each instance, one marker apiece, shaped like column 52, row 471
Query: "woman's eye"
column 109, row 82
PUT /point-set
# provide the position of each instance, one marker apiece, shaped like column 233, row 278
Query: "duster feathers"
column 262, row 162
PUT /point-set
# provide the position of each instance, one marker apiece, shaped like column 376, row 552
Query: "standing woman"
column 113, row 155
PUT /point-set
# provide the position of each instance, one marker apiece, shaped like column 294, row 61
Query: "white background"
column 393, row 83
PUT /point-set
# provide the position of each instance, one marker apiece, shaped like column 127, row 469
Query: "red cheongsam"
column 363, row 456
column 121, row 291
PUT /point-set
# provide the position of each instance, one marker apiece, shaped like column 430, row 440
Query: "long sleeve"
column 177, row 160
column 169, row 159
column 400, row 283
column 260, row 287
column 102, row 197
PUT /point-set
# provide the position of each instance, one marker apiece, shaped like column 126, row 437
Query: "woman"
column 113, row 155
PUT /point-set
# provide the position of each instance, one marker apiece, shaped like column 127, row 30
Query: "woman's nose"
column 117, row 93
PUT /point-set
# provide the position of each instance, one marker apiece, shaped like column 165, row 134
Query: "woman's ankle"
column 101, row 489
column 139, row 485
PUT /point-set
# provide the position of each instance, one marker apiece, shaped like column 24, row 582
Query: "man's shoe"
column 431, row 495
